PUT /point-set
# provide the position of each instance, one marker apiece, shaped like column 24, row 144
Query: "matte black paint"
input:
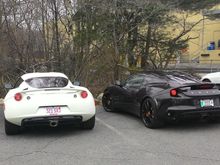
column 130, row 98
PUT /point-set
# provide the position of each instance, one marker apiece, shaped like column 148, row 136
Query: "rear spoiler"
column 72, row 90
column 190, row 87
column 200, row 86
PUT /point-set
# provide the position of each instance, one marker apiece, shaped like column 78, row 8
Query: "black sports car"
column 160, row 96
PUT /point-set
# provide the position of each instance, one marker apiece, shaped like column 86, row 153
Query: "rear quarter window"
column 176, row 80
column 155, row 79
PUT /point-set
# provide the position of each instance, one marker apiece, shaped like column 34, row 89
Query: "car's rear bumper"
column 52, row 121
column 64, row 118
column 192, row 111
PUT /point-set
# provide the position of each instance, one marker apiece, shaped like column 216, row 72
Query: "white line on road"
column 119, row 133
column 154, row 153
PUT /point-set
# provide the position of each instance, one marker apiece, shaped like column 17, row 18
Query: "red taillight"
column 173, row 92
column 18, row 96
column 84, row 94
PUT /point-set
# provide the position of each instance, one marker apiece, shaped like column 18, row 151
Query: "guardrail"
column 203, row 66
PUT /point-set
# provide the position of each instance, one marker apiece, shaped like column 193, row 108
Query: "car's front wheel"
column 107, row 102
column 11, row 129
column 148, row 114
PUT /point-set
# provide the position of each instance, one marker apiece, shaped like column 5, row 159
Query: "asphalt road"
column 116, row 139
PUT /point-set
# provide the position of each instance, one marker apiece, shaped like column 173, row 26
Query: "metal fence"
column 202, row 66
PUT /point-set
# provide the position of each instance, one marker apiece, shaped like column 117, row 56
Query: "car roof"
column 165, row 73
column 170, row 75
column 212, row 74
column 43, row 74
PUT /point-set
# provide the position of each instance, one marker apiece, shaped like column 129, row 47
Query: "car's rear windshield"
column 47, row 82
column 181, row 79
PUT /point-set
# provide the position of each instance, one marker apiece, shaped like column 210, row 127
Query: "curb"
column 1, row 103
column 98, row 100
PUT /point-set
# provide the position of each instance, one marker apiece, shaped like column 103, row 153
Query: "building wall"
column 206, row 31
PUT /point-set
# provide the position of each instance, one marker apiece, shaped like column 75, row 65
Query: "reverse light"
column 84, row 94
column 18, row 96
column 173, row 92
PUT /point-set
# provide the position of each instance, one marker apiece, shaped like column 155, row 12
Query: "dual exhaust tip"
column 53, row 123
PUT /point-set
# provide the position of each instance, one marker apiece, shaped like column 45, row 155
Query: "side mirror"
column 8, row 86
column 77, row 83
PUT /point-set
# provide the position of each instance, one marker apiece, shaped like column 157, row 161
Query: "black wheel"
column 107, row 102
column 11, row 129
column 148, row 114
column 89, row 124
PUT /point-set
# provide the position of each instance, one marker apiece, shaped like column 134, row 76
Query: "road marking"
column 119, row 133
column 110, row 127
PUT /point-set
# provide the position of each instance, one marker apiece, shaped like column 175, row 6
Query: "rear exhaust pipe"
column 53, row 123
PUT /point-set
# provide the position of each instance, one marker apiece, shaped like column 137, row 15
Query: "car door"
column 131, row 89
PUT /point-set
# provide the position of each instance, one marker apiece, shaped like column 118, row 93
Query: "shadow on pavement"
column 190, row 124
column 54, row 132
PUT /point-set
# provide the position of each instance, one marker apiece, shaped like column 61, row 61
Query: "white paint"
column 34, row 99
column 119, row 133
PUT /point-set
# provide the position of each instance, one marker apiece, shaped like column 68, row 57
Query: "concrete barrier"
column 1, row 103
column 99, row 99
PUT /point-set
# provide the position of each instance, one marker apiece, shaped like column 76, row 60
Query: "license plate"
column 207, row 103
column 53, row 110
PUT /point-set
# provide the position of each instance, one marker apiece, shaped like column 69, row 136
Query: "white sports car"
column 47, row 99
column 212, row 77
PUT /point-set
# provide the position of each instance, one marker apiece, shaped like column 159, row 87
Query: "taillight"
column 173, row 92
column 18, row 96
column 84, row 94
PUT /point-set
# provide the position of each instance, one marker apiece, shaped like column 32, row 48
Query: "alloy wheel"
column 147, row 113
column 107, row 102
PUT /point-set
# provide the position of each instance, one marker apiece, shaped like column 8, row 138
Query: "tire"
column 89, row 124
column 148, row 114
column 11, row 129
column 107, row 102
